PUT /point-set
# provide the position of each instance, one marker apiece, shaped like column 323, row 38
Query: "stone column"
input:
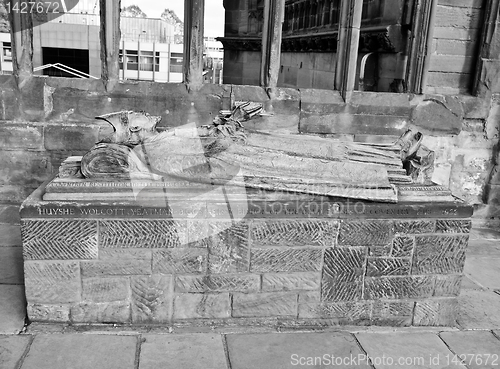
column 274, row 12
column 21, row 31
column 110, row 41
column 347, row 46
column 194, row 12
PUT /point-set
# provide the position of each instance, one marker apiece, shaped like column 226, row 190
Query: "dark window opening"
column 71, row 58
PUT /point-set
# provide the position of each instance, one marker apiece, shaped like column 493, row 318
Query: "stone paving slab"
column 294, row 350
column 12, row 308
column 12, row 349
column 484, row 270
column 81, row 351
column 478, row 309
column 11, row 265
column 193, row 351
column 407, row 350
column 477, row 349
column 10, row 235
column 9, row 214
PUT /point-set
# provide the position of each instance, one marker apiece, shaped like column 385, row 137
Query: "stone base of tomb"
column 273, row 260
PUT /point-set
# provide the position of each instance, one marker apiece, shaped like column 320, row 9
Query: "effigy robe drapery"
column 301, row 164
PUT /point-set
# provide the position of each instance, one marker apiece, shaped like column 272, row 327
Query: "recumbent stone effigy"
column 217, row 225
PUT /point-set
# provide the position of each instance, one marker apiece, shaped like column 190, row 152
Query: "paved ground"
column 475, row 343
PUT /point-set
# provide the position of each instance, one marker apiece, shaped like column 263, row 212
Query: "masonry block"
column 52, row 282
column 387, row 266
column 447, row 285
column 59, row 239
column 398, row 287
column 228, row 248
column 439, row 254
column 414, row 226
column 105, row 289
column 16, row 136
column 198, row 305
column 180, row 261
column 285, row 260
column 151, row 298
column 103, row 312
column 141, row 233
column 294, row 233
column 70, row 137
column 48, row 312
column 365, row 233
column 402, row 246
column 453, row 226
column 343, row 273
column 439, row 312
column 26, row 168
column 218, row 283
column 384, row 312
column 290, row 281
column 353, row 311
column 275, row 304
column 100, row 268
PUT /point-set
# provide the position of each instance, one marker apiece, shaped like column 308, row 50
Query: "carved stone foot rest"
column 296, row 261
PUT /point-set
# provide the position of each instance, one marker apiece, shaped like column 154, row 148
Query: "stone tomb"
column 267, row 259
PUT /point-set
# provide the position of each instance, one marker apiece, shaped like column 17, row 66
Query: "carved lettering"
column 56, row 211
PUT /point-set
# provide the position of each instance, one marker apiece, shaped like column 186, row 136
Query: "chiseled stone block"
column 52, row 282
column 453, row 226
column 272, row 304
column 228, row 247
column 100, row 268
column 447, row 285
column 48, row 312
column 387, row 266
column 406, row 227
column 402, row 246
column 218, row 283
column 141, row 233
column 295, row 232
column 181, row 261
column 102, row 312
column 151, row 299
column 365, row 232
column 343, row 273
column 285, row 260
column 105, row 289
column 200, row 305
column 59, row 239
column 290, row 281
column 125, row 254
column 350, row 310
column 436, row 312
column 439, row 254
column 398, row 313
column 398, row 287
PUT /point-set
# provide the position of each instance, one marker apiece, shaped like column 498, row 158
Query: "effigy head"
column 130, row 127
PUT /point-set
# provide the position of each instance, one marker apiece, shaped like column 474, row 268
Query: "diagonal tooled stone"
column 343, row 270
column 453, row 226
column 398, row 287
column 52, row 281
column 228, row 247
column 439, row 254
column 402, row 246
column 365, row 233
column 141, row 233
column 151, row 299
column 291, row 232
column 285, row 260
column 59, row 239
column 387, row 266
